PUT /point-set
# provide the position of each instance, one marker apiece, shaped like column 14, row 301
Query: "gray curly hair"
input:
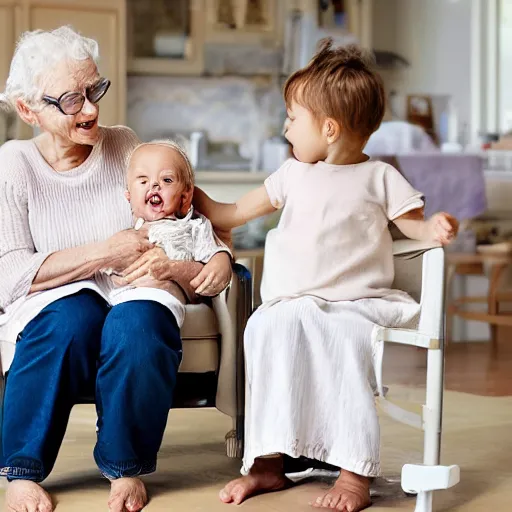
column 36, row 53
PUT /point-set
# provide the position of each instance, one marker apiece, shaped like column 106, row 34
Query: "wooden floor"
column 193, row 466
column 469, row 367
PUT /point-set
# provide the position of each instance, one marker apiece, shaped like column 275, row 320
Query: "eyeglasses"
column 70, row 103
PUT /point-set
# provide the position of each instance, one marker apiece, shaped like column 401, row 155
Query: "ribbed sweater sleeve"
column 19, row 262
column 43, row 211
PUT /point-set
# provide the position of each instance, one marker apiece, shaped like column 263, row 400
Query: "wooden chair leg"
column 493, row 302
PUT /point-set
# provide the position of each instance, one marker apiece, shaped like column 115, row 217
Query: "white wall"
column 435, row 37
column 505, row 63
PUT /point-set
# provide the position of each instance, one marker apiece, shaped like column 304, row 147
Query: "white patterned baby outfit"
column 189, row 239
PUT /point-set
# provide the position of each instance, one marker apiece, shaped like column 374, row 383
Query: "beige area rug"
column 193, row 467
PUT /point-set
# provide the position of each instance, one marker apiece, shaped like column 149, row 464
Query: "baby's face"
column 155, row 185
column 305, row 135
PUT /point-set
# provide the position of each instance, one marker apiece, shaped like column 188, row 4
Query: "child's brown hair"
column 339, row 83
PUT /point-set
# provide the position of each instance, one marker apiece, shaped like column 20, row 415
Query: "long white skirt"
column 311, row 380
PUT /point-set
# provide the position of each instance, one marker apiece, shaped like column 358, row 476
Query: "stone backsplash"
column 240, row 110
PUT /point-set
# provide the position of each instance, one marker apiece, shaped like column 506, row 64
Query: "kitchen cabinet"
column 244, row 21
column 360, row 20
column 102, row 20
column 166, row 38
column 10, row 28
column 355, row 16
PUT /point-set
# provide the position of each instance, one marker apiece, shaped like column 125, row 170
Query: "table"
column 475, row 264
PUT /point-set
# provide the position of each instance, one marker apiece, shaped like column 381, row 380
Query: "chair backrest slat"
column 408, row 276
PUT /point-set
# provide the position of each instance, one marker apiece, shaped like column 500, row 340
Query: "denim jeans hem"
column 131, row 468
column 17, row 473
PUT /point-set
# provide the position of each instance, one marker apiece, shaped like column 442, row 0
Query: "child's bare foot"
column 266, row 475
column 350, row 493
column 127, row 494
column 27, row 496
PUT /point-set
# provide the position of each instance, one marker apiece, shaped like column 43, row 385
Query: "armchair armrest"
column 233, row 308
column 430, row 272
column 411, row 248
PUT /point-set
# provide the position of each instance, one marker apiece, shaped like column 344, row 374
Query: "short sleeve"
column 401, row 197
column 277, row 185
column 206, row 243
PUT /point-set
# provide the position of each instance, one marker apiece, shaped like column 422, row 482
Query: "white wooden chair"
column 419, row 270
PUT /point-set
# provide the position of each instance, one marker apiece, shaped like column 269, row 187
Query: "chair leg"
column 424, row 479
column 433, row 410
column 424, row 502
column 493, row 302
column 235, row 442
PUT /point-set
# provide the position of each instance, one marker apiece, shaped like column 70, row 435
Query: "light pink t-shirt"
column 333, row 240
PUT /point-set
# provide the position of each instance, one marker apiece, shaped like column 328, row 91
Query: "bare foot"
column 350, row 493
column 266, row 475
column 127, row 494
column 27, row 496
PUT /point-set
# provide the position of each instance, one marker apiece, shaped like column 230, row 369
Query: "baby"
column 160, row 185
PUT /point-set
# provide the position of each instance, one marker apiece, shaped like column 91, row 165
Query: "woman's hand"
column 154, row 269
column 124, row 248
column 154, row 264
column 214, row 276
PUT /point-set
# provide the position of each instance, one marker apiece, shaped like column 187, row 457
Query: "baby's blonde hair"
column 188, row 176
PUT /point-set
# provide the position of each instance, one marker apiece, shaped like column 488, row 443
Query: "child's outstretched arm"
column 227, row 216
column 441, row 227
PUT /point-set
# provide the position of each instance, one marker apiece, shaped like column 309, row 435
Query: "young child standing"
column 327, row 282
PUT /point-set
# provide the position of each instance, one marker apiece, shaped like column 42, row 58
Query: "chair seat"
column 200, row 322
column 200, row 335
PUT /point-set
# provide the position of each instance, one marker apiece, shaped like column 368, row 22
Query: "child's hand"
column 442, row 228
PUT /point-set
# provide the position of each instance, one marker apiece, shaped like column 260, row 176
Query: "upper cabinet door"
column 165, row 37
column 103, row 21
column 244, row 21
column 9, row 31
column 353, row 16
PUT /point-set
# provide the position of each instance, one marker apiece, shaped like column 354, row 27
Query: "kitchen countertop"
column 230, row 176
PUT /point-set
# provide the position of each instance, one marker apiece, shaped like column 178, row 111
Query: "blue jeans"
column 127, row 357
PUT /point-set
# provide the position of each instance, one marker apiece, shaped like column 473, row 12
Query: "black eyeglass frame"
column 56, row 102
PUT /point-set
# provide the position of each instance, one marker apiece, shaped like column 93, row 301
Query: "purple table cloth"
column 453, row 183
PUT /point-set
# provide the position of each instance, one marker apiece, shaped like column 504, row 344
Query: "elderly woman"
column 65, row 218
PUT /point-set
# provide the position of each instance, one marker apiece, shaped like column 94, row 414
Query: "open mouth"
column 155, row 199
column 87, row 125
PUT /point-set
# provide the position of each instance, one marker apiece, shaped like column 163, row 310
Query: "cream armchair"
column 213, row 346
column 212, row 369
